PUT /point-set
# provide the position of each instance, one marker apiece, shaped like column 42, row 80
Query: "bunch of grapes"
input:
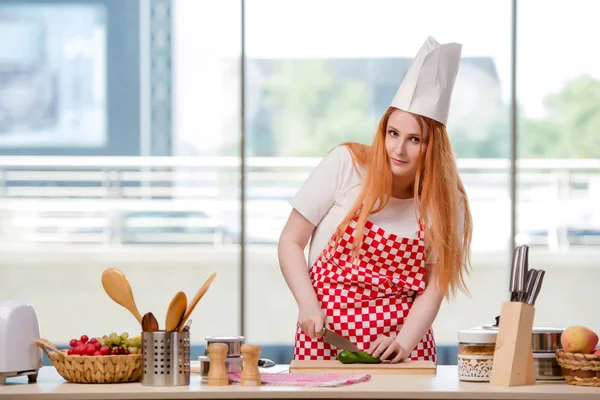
column 106, row 345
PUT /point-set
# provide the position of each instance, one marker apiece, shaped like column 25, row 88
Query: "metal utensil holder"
column 166, row 358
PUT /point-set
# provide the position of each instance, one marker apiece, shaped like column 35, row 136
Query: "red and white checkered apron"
column 369, row 295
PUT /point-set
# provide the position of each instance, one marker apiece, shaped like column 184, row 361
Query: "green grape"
column 113, row 334
column 124, row 335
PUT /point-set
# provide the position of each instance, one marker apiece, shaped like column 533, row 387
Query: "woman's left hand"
column 386, row 348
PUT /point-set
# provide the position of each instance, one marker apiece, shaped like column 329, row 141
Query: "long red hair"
column 439, row 194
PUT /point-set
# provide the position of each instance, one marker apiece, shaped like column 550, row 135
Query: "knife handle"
column 537, row 286
column 514, row 270
column 522, row 269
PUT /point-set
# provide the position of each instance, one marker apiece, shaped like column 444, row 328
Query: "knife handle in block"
column 217, row 373
column 250, row 373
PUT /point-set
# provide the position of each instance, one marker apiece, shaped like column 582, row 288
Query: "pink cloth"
column 298, row 379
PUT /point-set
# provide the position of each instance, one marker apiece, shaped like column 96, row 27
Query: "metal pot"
column 547, row 367
column 232, row 364
column 546, row 340
column 234, row 344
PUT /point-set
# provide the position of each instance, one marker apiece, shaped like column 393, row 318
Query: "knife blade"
column 338, row 341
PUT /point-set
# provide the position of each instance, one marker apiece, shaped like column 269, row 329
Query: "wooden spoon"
column 195, row 300
column 176, row 311
column 149, row 323
column 117, row 287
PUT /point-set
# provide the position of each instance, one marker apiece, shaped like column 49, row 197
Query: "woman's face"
column 403, row 143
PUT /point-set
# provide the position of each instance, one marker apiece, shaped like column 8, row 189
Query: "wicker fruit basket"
column 579, row 369
column 93, row 369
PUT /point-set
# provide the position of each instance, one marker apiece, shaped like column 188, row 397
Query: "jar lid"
column 478, row 335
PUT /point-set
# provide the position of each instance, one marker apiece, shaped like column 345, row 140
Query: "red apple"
column 579, row 339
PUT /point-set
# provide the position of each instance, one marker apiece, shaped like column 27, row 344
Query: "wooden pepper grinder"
column 250, row 373
column 217, row 374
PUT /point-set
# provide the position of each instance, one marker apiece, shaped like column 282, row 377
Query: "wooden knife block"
column 513, row 358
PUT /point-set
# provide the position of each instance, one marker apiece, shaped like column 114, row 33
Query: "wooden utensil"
column 117, row 287
column 217, row 373
column 412, row 367
column 149, row 323
column 195, row 300
column 176, row 311
column 250, row 373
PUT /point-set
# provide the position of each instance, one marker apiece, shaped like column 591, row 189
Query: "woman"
column 389, row 224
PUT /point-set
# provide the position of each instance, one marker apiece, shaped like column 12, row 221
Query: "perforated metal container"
column 166, row 358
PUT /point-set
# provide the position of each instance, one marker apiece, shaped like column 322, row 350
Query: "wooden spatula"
column 176, row 311
column 149, row 323
column 195, row 300
column 117, row 287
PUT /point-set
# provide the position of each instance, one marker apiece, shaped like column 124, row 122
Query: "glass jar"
column 476, row 348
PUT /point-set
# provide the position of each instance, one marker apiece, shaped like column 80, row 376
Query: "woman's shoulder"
column 340, row 153
column 333, row 176
column 348, row 160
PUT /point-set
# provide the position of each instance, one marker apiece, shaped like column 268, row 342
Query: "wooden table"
column 443, row 385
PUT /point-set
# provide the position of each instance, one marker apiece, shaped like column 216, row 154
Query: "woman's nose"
column 401, row 147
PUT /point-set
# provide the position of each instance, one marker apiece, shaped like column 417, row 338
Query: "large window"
column 311, row 89
column 558, row 82
column 165, row 138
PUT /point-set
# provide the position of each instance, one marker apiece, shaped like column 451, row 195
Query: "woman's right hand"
column 312, row 320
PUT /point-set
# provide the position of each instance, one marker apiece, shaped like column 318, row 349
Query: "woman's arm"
column 421, row 315
column 293, row 241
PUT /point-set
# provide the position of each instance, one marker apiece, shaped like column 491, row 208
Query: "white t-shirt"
column 329, row 193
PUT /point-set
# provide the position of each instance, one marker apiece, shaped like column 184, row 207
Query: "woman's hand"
column 386, row 349
column 311, row 320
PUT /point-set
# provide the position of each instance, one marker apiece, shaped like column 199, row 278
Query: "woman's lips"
column 398, row 162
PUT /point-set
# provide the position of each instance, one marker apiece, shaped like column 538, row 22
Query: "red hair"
column 438, row 192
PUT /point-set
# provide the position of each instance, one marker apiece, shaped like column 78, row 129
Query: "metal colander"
column 166, row 358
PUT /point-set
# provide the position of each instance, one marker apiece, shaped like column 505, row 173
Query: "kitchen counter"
column 444, row 385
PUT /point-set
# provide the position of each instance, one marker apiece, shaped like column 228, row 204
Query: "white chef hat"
column 427, row 87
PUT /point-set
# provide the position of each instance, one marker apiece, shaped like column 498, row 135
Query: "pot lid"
column 547, row 330
column 224, row 339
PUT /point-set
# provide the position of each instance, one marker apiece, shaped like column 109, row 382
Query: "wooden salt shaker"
column 250, row 373
column 217, row 374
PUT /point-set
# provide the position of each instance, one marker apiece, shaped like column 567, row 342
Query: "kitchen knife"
column 537, row 287
column 265, row 363
column 513, row 274
column 338, row 341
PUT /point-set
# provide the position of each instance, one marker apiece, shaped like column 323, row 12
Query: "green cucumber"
column 359, row 357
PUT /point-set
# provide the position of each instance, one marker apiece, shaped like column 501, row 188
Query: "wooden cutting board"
column 334, row 366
